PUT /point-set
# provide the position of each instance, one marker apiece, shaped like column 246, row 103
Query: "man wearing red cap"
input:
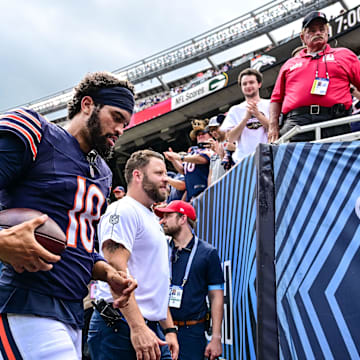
column 195, row 272
column 314, row 86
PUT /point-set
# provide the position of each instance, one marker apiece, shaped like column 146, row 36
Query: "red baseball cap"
column 178, row 206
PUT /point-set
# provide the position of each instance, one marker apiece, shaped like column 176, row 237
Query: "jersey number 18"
column 87, row 205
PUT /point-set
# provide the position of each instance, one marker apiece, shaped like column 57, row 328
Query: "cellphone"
column 204, row 145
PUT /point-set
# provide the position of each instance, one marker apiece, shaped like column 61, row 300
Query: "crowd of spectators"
column 222, row 141
column 227, row 138
column 149, row 101
column 144, row 103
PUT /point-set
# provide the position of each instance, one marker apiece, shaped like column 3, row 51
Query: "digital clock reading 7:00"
column 345, row 21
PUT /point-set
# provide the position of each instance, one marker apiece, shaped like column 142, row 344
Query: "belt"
column 188, row 322
column 111, row 316
column 337, row 109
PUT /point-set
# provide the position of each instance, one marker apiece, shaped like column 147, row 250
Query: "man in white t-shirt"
column 132, row 240
column 247, row 123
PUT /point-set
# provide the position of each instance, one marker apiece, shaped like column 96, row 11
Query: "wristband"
column 170, row 330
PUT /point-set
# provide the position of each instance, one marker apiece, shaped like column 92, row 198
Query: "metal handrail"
column 317, row 128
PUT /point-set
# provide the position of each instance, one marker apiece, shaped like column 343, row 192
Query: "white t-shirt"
column 131, row 224
column 249, row 138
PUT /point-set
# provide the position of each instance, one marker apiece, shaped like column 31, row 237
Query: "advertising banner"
column 215, row 83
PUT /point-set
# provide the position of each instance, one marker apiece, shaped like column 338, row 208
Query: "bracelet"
column 216, row 336
column 182, row 157
column 170, row 330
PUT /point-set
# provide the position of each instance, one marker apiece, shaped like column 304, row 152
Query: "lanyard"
column 317, row 67
column 188, row 265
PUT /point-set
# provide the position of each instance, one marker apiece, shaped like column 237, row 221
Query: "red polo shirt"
column 297, row 75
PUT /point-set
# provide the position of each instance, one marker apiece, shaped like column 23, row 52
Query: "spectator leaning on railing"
column 314, row 86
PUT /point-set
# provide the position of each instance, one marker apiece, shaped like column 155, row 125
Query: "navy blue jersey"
column 56, row 179
column 196, row 175
column 174, row 193
column 205, row 274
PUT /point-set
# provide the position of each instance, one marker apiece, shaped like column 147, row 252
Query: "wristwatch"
column 171, row 330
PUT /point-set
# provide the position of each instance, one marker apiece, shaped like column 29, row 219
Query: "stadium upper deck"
column 260, row 21
column 172, row 126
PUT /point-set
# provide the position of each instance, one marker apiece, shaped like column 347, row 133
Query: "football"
column 49, row 234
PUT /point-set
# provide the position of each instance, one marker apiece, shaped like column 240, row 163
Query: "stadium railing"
column 317, row 128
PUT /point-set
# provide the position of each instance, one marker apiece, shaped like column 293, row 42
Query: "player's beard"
column 152, row 190
column 98, row 141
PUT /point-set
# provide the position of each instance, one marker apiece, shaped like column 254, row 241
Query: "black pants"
column 307, row 119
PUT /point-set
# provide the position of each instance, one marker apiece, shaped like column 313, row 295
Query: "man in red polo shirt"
column 314, row 86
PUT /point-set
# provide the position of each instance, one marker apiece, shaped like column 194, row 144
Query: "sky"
column 48, row 46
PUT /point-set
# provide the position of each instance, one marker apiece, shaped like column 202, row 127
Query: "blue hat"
column 312, row 16
column 216, row 121
column 119, row 188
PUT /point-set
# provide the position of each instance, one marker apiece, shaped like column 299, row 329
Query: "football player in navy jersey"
column 60, row 173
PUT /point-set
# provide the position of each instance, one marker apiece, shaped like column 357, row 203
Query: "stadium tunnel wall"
column 286, row 223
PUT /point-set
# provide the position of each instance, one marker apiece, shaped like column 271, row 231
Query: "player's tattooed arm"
column 111, row 246
column 122, row 284
column 117, row 256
